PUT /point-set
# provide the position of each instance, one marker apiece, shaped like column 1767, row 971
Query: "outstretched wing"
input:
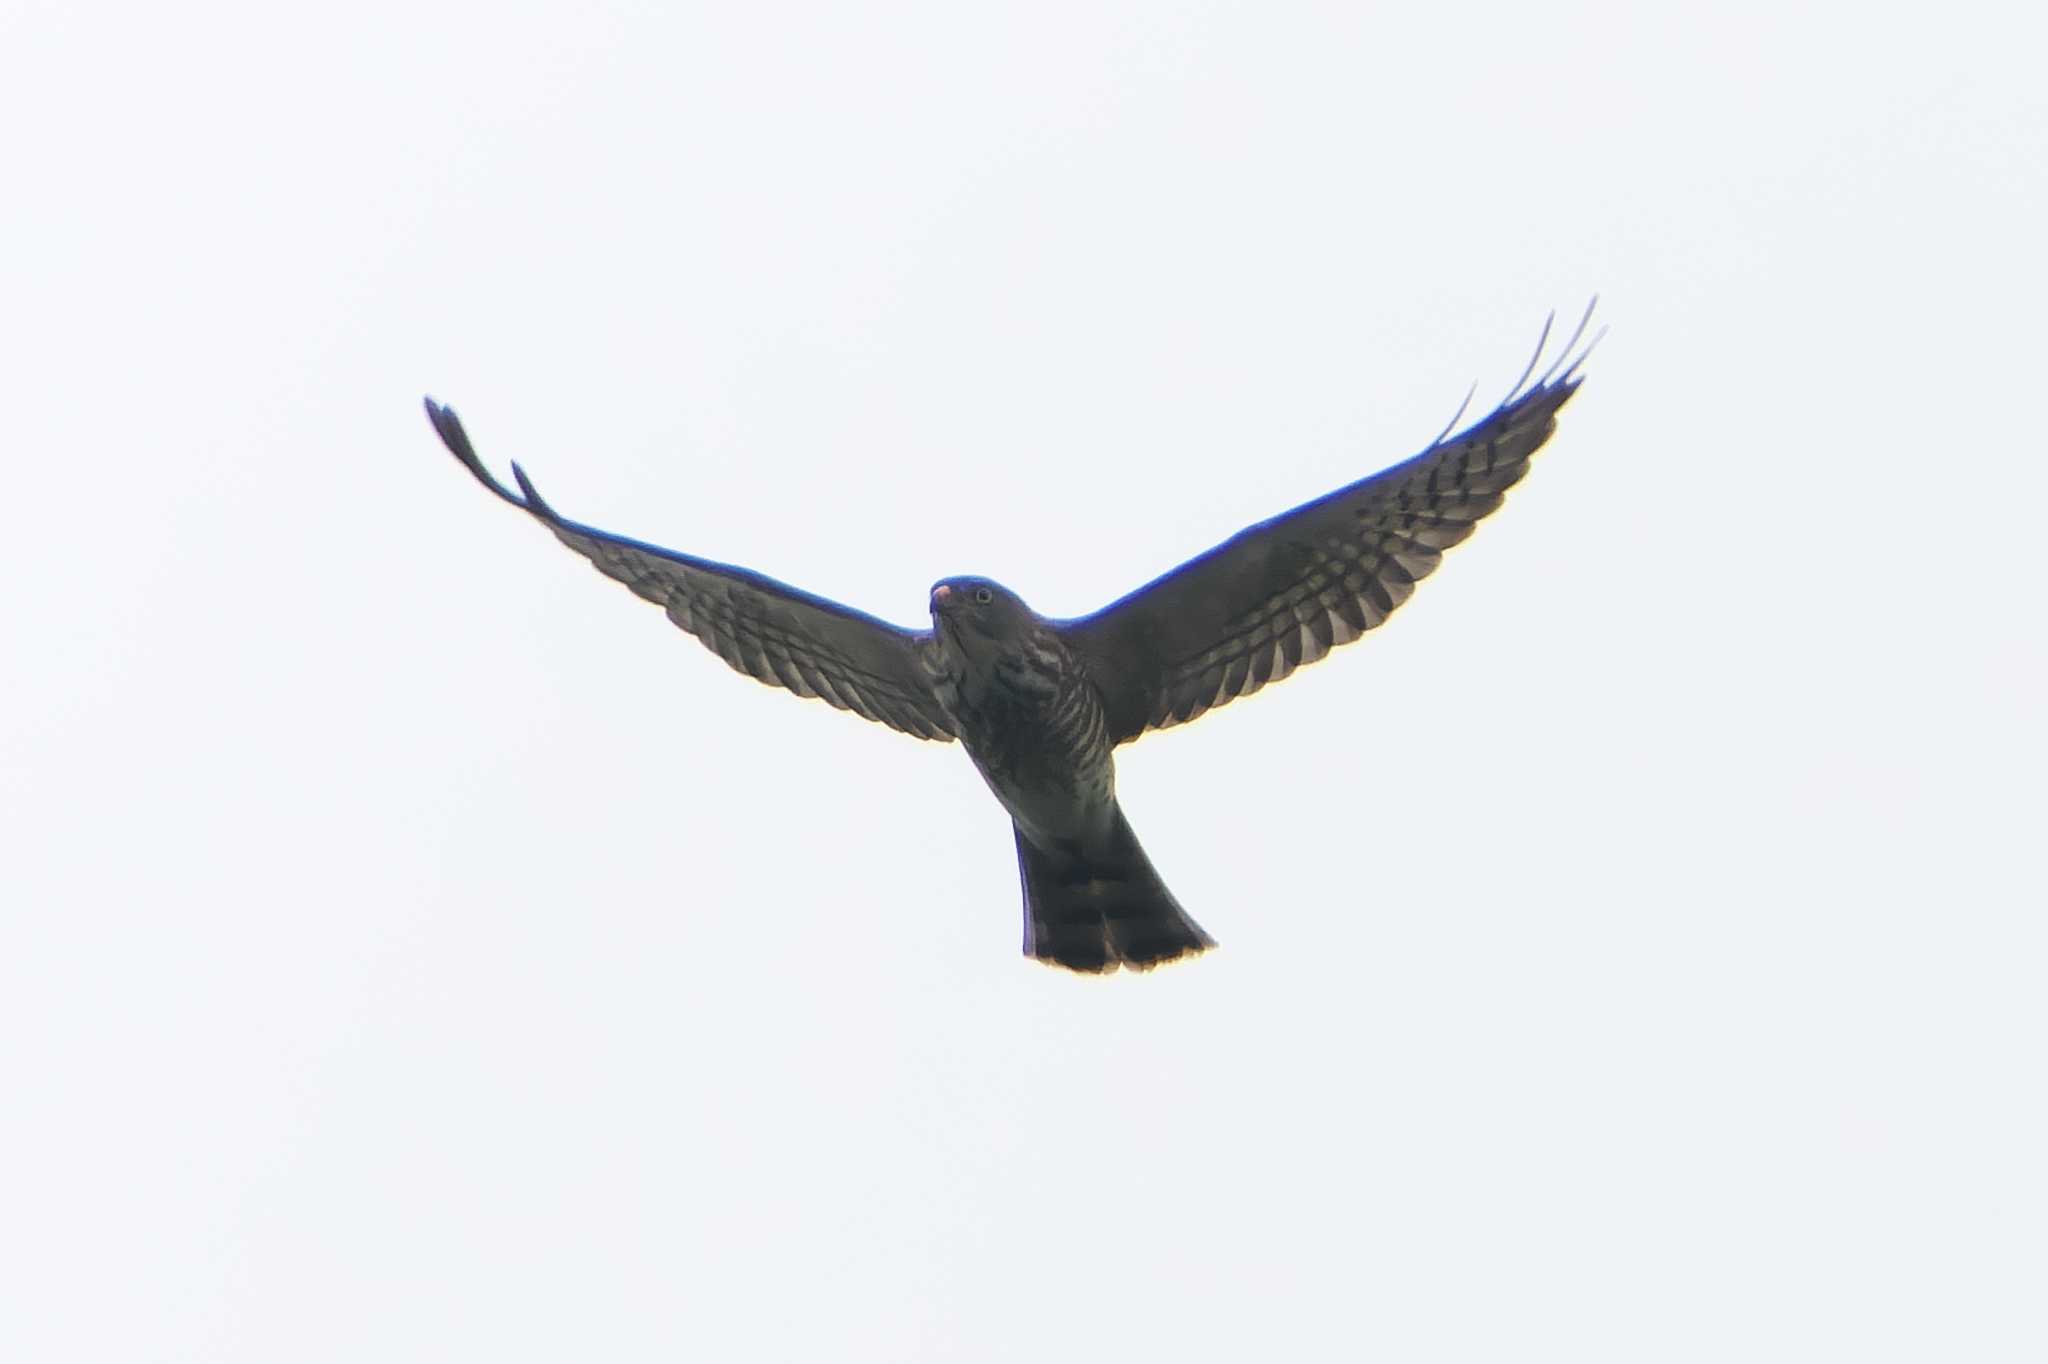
column 766, row 629
column 1287, row 591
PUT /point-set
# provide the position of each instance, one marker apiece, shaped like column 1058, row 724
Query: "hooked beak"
column 942, row 595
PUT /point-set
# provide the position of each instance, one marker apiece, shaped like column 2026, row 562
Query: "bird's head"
column 972, row 610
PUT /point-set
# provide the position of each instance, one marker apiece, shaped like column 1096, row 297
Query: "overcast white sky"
column 416, row 949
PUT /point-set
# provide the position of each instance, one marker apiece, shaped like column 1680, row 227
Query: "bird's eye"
column 983, row 595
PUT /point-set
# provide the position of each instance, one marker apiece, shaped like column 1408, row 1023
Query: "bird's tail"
column 1102, row 909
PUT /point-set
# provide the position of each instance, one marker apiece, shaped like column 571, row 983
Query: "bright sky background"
column 416, row 949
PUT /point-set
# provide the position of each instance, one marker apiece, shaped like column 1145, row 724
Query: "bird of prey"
column 1040, row 704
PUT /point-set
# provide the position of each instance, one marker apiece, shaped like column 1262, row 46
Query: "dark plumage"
column 1041, row 704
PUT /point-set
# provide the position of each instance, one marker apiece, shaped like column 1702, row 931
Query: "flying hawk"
column 1041, row 704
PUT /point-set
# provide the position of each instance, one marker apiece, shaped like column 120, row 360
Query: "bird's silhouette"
column 1040, row 704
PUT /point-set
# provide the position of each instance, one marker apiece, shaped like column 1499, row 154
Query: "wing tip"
column 448, row 427
column 534, row 503
column 1554, row 387
column 1571, row 358
column 1530, row 392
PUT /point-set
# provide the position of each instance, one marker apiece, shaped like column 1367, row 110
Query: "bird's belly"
column 1057, row 791
column 1055, row 804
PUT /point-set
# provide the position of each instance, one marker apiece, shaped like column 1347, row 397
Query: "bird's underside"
column 1041, row 703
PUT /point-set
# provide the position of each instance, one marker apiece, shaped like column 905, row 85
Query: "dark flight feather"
column 1285, row 592
column 768, row 630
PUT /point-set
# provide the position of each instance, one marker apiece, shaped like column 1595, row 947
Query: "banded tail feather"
column 1102, row 908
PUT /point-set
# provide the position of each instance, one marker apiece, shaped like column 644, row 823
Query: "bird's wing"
column 1286, row 591
column 766, row 629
